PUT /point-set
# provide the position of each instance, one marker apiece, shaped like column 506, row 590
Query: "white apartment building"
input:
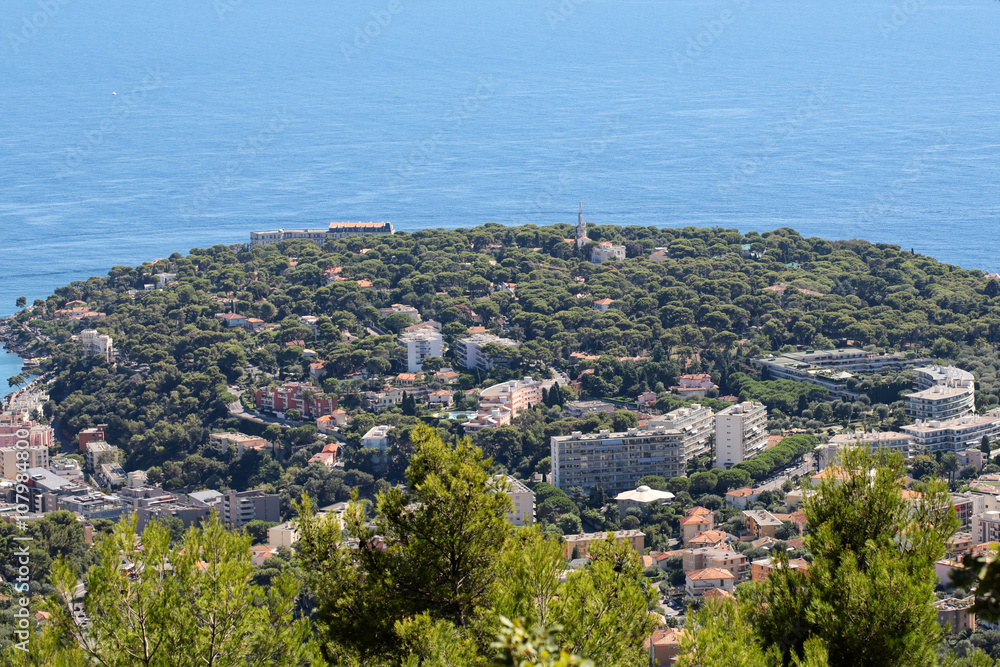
column 523, row 501
column 953, row 435
column 616, row 461
column 470, row 350
column 421, row 344
column 904, row 443
column 336, row 230
column 926, row 377
column 956, row 398
column 986, row 527
column 99, row 453
column 377, row 437
column 606, row 250
column 740, row 433
column 97, row 343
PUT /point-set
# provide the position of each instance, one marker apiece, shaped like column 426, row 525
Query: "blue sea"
column 131, row 130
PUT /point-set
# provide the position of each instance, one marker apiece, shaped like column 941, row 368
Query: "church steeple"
column 581, row 229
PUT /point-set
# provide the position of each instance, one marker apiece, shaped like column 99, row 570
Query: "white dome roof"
column 643, row 489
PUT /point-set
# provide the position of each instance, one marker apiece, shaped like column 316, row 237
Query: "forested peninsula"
column 166, row 360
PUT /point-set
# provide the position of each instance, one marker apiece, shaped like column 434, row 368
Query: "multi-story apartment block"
column 968, row 505
column 580, row 544
column 238, row 508
column 470, row 350
column 16, row 428
column 94, row 343
column 761, row 523
column 699, row 582
column 99, row 453
column 827, row 368
column 986, row 527
column 953, row 435
column 904, row 443
column 956, row 398
column 10, row 457
column 925, row 377
column 377, row 437
column 336, row 230
column 956, row 615
column 740, row 433
column 724, row 559
column 501, row 403
column 606, row 250
column 421, row 344
column 523, row 501
column 303, row 396
column 616, row 461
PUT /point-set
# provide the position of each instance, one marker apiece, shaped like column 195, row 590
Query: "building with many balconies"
column 616, row 461
column 421, row 344
column 740, row 433
column 953, row 435
column 955, row 398
column 336, row 230
column 238, row 508
column 471, row 352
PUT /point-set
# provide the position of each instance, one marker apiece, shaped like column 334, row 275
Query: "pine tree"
column 869, row 592
column 153, row 605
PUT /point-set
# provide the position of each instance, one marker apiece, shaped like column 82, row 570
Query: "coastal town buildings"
column 832, row 368
column 904, row 443
column 306, row 397
column 733, row 562
column 523, row 502
column 606, row 250
column 238, row 508
column 501, row 403
column 578, row 546
column 95, row 343
column 698, row 582
column 956, row 398
column 421, row 345
column 336, row 230
column 616, row 461
column 242, row 442
column 956, row 434
column 694, row 385
column 472, row 353
column 400, row 309
column 740, row 433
